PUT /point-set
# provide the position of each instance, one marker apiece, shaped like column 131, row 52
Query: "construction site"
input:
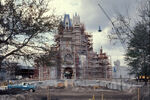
column 78, row 73
column 79, row 90
column 75, row 48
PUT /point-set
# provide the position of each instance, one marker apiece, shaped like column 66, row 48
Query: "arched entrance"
column 68, row 73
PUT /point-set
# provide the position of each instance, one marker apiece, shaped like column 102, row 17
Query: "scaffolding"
column 73, row 40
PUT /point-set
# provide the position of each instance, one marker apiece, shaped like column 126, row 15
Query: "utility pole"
column 48, row 95
column 149, row 41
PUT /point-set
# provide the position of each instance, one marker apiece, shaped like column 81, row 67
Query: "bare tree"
column 23, row 28
column 136, row 38
column 123, row 26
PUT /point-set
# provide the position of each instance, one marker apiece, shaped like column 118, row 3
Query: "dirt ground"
column 77, row 93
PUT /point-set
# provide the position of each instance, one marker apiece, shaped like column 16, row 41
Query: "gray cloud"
column 92, row 16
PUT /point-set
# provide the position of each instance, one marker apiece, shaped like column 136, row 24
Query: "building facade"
column 78, row 60
column 121, row 72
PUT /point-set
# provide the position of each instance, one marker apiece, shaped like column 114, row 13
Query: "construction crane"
column 116, row 30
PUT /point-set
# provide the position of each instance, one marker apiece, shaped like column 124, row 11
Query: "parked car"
column 23, row 86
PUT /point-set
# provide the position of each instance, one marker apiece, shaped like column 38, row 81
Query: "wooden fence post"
column 138, row 93
column 102, row 96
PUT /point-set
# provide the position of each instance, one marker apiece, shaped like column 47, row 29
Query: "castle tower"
column 70, row 44
column 67, row 50
column 74, row 45
column 76, row 20
column 67, row 21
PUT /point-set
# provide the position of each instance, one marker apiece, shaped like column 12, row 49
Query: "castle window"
column 67, row 26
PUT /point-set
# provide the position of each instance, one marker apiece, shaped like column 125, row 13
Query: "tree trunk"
column 0, row 64
column 145, row 80
column 1, row 60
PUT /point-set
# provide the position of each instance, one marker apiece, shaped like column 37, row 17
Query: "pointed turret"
column 76, row 19
column 67, row 21
column 101, row 50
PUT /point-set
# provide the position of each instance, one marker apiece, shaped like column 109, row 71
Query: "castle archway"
column 68, row 73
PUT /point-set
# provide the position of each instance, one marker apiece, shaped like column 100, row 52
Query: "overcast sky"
column 93, row 17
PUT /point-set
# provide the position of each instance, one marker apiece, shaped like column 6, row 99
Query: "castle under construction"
column 78, row 60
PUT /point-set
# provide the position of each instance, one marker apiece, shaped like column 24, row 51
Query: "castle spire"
column 76, row 14
column 76, row 19
column 67, row 21
column 101, row 50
